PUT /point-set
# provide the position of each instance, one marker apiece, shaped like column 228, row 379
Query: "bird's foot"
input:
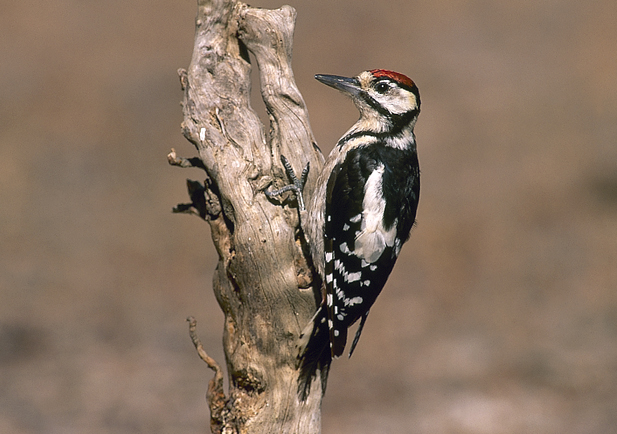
column 297, row 184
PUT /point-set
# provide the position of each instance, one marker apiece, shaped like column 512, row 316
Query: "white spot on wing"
column 354, row 277
column 373, row 238
column 353, row 301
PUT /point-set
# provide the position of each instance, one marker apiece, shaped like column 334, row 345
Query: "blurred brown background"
column 501, row 315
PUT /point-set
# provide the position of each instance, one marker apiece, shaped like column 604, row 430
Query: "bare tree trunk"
column 262, row 282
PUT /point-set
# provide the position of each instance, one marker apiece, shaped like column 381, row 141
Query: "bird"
column 361, row 212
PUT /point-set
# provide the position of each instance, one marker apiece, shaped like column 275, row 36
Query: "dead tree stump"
column 263, row 281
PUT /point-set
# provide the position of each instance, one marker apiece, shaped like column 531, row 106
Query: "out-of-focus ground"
column 501, row 315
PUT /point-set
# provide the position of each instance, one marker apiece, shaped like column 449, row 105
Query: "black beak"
column 344, row 84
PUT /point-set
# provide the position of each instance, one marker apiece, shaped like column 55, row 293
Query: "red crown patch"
column 400, row 78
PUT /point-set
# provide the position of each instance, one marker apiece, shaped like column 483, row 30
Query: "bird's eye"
column 382, row 87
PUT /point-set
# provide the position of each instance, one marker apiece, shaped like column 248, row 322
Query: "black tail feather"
column 315, row 357
column 358, row 333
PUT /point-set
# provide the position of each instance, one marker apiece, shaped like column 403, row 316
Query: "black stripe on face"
column 398, row 121
column 375, row 105
column 397, row 124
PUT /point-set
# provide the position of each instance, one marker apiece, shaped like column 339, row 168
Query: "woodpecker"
column 362, row 211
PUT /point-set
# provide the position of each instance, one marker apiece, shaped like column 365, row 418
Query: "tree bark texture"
column 263, row 281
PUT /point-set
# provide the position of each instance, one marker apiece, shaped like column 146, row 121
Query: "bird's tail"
column 314, row 354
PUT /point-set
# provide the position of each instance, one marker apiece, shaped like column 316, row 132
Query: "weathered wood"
column 262, row 281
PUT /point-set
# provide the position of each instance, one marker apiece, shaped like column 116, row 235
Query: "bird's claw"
column 297, row 185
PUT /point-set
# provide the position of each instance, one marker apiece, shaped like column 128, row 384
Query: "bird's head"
column 387, row 100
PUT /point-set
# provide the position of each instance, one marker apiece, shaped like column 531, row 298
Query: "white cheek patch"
column 413, row 102
column 401, row 101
